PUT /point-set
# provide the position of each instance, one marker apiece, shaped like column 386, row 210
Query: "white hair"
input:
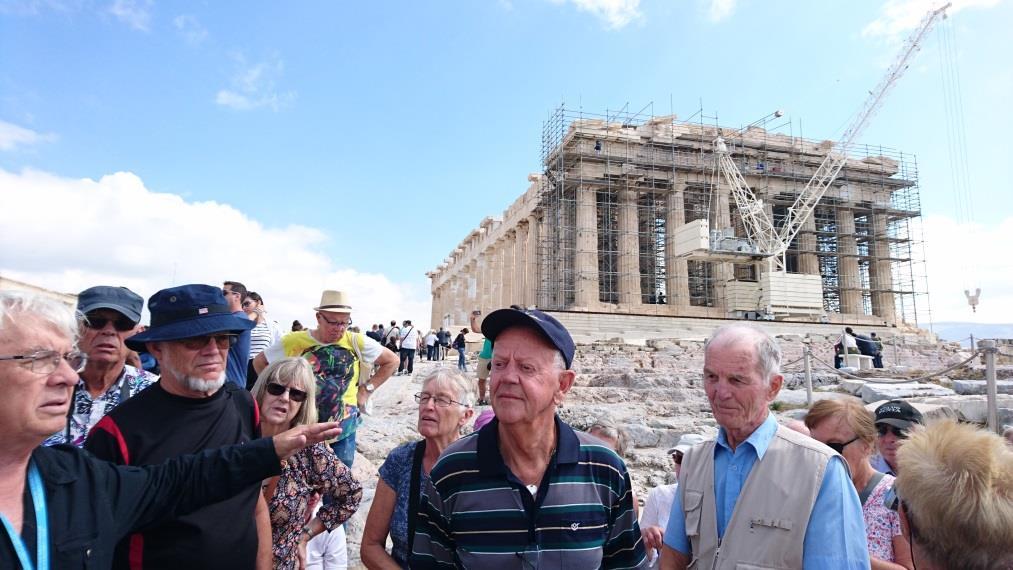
column 451, row 377
column 17, row 305
column 768, row 352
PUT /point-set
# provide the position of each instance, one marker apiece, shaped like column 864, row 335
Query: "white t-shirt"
column 657, row 510
column 430, row 339
column 327, row 550
column 410, row 338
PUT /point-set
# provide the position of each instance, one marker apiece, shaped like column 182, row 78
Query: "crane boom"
column 774, row 242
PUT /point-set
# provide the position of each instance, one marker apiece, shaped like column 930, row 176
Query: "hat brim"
column 895, row 422
column 198, row 326
column 132, row 315
column 339, row 310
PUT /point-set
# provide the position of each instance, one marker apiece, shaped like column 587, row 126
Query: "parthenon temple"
column 601, row 230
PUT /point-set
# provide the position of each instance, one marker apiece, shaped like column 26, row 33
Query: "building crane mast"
column 771, row 241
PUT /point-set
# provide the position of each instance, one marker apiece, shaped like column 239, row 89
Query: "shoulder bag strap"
column 413, row 491
column 864, row 495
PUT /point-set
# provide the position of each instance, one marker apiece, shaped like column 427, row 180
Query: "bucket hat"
column 334, row 302
column 188, row 311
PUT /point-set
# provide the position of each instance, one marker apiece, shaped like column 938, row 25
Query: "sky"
column 300, row 146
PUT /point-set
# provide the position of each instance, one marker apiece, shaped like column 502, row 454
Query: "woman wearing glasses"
column 445, row 406
column 848, row 428
column 282, row 392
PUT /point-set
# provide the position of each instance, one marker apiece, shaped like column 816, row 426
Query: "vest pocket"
column 693, row 508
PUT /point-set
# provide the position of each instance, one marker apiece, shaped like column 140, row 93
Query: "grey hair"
column 284, row 371
column 768, row 352
column 609, row 429
column 452, row 378
column 17, row 304
column 559, row 362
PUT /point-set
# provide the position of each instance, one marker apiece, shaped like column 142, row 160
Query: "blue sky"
column 369, row 138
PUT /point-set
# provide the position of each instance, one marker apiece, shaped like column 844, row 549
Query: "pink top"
column 881, row 524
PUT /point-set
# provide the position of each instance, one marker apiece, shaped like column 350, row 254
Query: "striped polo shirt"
column 475, row 513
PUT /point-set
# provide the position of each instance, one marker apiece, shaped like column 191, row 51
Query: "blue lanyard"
column 41, row 525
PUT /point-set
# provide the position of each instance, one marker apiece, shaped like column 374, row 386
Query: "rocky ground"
column 655, row 393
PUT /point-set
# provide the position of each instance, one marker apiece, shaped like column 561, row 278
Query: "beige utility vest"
column 768, row 524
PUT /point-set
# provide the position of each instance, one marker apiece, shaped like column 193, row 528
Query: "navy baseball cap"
column 898, row 413
column 188, row 311
column 119, row 299
column 553, row 331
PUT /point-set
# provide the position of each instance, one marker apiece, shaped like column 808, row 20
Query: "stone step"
column 968, row 387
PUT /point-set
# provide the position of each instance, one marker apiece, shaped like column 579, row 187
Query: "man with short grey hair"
column 760, row 494
column 527, row 490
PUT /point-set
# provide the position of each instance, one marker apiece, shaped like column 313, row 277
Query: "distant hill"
column 956, row 331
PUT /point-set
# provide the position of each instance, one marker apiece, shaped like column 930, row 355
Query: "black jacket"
column 92, row 504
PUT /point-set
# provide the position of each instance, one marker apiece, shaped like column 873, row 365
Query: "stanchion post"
column 991, row 393
column 808, row 374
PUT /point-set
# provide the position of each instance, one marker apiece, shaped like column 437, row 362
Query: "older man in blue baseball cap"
column 574, row 490
column 192, row 408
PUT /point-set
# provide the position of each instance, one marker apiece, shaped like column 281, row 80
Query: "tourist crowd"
column 212, row 438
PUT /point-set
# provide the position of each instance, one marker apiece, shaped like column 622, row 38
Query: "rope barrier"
column 896, row 380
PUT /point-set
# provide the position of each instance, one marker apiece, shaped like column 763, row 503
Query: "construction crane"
column 771, row 241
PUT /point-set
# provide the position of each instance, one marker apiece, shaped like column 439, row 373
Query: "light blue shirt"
column 880, row 464
column 836, row 528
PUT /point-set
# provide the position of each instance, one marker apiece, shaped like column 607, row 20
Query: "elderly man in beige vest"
column 760, row 495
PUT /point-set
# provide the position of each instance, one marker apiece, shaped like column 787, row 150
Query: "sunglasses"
column 839, row 447
column 121, row 324
column 883, row 429
column 222, row 341
column 275, row 389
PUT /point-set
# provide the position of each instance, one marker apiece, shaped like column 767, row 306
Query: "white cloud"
column 615, row 14
column 718, row 10
column 68, row 234
column 254, row 86
column 134, row 13
column 900, row 16
column 190, row 28
column 12, row 136
column 960, row 256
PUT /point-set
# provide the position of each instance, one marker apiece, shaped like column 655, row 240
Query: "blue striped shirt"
column 475, row 513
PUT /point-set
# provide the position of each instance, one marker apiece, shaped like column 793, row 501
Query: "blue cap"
column 553, row 331
column 119, row 299
column 187, row 311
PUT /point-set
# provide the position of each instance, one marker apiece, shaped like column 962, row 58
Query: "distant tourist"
column 430, row 341
column 954, row 494
column 484, row 361
column 528, row 454
column 408, row 345
column 460, row 345
column 297, row 326
column 264, row 334
column 718, row 520
column 235, row 293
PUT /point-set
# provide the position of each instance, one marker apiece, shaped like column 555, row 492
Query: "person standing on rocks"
column 760, row 494
column 539, row 493
column 484, row 361
column 894, row 420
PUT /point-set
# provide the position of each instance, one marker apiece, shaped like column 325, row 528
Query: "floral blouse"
column 881, row 524
column 313, row 470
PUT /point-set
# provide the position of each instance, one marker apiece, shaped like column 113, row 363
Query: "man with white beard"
column 189, row 410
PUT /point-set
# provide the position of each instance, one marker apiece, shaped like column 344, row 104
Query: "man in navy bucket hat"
column 190, row 409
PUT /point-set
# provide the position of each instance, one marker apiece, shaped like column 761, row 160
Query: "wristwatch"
column 370, row 387
column 306, row 530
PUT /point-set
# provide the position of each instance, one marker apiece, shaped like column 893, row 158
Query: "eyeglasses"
column 47, row 361
column 677, row 457
column 222, row 341
column 249, row 303
column 422, row 398
column 839, row 447
column 339, row 324
column 884, row 429
column 276, row 389
column 122, row 324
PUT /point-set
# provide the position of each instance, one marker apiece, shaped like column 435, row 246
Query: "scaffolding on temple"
column 617, row 186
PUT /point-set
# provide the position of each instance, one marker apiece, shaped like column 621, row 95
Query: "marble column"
column 629, row 250
column 808, row 261
column 847, row 268
column 880, row 270
column 520, row 268
column 484, row 271
column 677, row 278
column 496, row 287
column 508, row 270
column 586, row 259
column 532, row 279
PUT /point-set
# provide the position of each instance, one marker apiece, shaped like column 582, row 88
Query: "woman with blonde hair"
column 445, row 407
column 286, row 393
column 848, row 428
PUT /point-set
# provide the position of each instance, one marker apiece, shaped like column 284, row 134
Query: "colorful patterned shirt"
column 313, row 470
column 88, row 411
column 881, row 524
